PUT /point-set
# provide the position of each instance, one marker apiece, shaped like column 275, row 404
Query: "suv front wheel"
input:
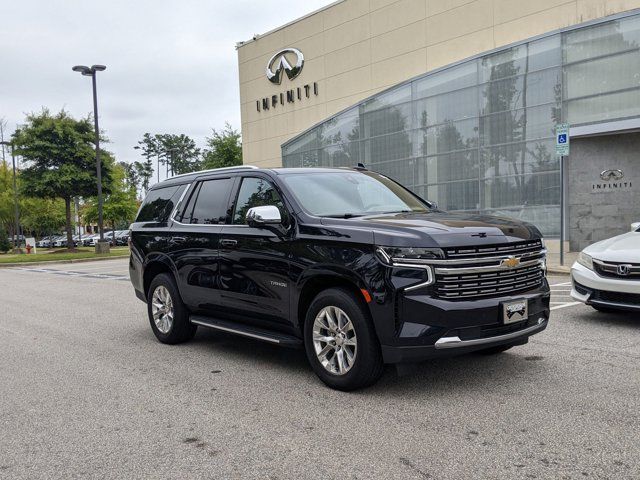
column 340, row 341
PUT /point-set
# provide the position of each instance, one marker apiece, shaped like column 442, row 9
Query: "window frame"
column 236, row 192
column 192, row 193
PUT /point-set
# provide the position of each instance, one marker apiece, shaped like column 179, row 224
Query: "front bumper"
column 590, row 288
column 435, row 328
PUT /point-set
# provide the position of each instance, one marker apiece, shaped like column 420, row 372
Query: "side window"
column 256, row 192
column 209, row 202
column 159, row 203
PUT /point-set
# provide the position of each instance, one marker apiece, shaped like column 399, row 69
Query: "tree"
column 60, row 153
column 131, row 174
column 42, row 216
column 4, row 241
column 150, row 149
column 224, row 149
column 144, row 171
column 3, row 128
column 179, row 153
column 120, row 205
column 7, row 218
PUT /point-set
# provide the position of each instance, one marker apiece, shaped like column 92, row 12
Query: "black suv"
column 346, row 263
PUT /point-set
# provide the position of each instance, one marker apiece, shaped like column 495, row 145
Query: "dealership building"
column 460, row 101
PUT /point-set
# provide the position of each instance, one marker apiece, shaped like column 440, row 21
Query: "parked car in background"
column 122, row 237
column 45, row 242
column 90, row 240
column 606, row 275
column 93, row 239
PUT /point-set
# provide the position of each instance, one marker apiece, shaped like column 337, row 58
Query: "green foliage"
column 119, row 206
column 5, row 245
column 178, row 153
column 144, row 172
column 43, row 216
column 224, row 149
column 60, row 153
column 7, row 218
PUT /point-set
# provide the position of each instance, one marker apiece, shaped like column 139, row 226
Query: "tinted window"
column 159, row 204
column 256, row 192
column 208, row 204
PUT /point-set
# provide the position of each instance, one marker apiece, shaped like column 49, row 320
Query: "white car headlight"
column 585, row 260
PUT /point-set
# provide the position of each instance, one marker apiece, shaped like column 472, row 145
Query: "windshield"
column 351, row 194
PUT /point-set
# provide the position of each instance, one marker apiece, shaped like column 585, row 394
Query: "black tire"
column 367, row 366
column 181, row 329
column 495, row 350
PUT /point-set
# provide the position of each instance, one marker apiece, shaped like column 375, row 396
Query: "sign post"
column 562, row 149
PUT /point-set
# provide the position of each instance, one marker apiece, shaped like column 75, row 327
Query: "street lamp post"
column 16, row 241
column 101, row 245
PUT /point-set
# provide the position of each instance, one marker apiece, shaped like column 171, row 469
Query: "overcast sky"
column 171, row 65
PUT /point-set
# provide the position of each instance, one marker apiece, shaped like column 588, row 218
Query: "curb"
column 73, row 260
column 559, row 270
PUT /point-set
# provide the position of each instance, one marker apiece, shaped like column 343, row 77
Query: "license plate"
column 516, row 311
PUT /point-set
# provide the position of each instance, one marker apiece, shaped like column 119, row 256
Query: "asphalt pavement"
column 87, row 392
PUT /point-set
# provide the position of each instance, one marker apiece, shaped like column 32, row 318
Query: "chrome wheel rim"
column 162, row 309
column 334, row 340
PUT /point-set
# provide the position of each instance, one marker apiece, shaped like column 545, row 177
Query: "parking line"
column 566, row 305
column 560, row 284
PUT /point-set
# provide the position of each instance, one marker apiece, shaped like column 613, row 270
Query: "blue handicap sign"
column 562, row 138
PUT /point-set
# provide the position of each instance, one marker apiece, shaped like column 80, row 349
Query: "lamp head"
column 82, row 69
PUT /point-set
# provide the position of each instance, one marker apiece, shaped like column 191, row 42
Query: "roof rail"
column 213, row 170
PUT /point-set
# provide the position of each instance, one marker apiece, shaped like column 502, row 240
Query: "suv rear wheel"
column 168, row 316
column 340, row 341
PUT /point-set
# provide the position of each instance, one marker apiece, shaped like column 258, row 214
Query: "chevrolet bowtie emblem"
column 510, row 262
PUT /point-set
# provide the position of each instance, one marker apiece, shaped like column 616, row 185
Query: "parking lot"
column 87, row 391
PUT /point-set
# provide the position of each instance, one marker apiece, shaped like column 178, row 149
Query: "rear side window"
column 208, row 203
column 159, row 204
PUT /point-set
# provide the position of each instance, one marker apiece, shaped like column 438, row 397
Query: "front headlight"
column 408, row 255
column 585, row 260
column 411, row 258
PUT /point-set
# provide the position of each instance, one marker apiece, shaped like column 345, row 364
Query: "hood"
column 623, row 248
column 439, row 229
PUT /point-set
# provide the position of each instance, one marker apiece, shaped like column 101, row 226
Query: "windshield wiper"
column 344, row 215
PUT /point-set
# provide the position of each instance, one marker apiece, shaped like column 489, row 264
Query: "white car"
column 606, row 275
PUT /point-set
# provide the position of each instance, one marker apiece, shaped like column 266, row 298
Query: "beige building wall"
column 355, row 48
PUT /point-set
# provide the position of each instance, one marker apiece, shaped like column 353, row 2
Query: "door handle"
column 226, row 242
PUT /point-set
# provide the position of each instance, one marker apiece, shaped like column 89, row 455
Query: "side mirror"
column 262, row 216
column 635, row 227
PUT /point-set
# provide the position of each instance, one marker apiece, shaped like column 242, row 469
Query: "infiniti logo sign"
column 612, row 175
column 612, row 180
column 279, row 63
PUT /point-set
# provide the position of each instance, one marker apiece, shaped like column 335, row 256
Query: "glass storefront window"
column 448, row 80
column 478, row 136
column 340, row 129
column 601, row 40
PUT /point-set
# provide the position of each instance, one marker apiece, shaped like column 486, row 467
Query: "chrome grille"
column 484, row 274
column 610, row 270
column 517, row 248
